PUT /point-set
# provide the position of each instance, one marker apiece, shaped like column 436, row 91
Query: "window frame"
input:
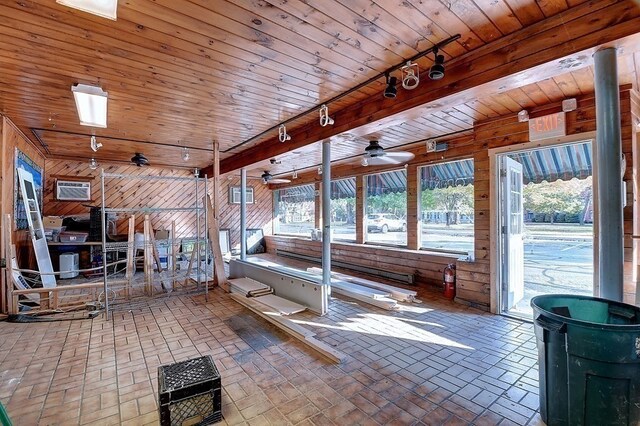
column 421, row 247
column 365, row 213
column 275, row 216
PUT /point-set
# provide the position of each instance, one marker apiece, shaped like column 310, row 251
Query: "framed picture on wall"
column 22, row 161
column 234, row 195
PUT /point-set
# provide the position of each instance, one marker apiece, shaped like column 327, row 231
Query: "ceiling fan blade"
column 401, row 156
column 382, row 161
column 278, row 180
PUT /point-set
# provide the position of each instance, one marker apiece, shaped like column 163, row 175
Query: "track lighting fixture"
column 295, row 174
column 324, row 116
column 391, row 90
column 410, row 75
column 319, row 170
column 185, row 154
column 283, row 136
column 95, row 145
column 93, row 164
column 364, row 162
column 436, row 72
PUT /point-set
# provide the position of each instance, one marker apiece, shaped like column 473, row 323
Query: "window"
column 234, row 195
column 294, row 210
column 446, row 206
column 386, row 208
column 343, row 209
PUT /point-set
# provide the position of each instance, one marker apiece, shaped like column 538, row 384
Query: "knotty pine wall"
column 474, row 281
column 13, row 138
column 259, row 214
column 473, row 278
column 134, row 193
column 124, row 193
column 427, row 267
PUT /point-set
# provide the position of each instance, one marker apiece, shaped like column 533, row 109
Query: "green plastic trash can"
column 589, row 360
column 4, row 417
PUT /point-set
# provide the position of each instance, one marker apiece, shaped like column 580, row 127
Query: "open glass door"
column 512, row 233
column 545, row 224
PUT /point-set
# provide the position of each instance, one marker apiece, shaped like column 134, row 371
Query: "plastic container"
column 4, row 417
column 189, row 393
column 73, row 237
column 589, row 360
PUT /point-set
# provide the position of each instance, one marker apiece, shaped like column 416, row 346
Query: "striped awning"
column 452, row 173
column 384, row 183
column 297, row 194
column 547, row 164
column 556, row 163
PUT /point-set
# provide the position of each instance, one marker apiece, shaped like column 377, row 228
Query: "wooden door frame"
column 494, row 203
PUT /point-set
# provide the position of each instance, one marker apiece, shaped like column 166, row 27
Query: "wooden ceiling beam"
column 550, row 47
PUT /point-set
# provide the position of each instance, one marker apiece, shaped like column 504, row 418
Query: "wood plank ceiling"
column 184, row 73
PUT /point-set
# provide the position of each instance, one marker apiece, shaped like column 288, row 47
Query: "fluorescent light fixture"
column 91, row 103
column 104, row 8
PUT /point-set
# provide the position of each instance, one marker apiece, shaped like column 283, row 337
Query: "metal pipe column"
column 243, row 214
column 609, row 178
column 326, row 214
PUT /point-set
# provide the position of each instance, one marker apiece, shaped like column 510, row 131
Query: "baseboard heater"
column 395, row 276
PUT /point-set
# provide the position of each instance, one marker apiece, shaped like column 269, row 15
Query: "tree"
column 549, row 198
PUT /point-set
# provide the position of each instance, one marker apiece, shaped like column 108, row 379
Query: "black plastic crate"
column 189, row 393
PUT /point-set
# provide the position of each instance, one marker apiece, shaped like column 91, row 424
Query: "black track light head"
column 391, row 91
column 436, row 72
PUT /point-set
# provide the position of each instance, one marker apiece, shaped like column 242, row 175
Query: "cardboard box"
column 162, row 234
column 52, row 222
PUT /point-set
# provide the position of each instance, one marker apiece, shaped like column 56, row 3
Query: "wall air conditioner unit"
column 73, row 191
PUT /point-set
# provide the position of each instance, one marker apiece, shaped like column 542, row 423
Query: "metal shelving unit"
column 199, row 208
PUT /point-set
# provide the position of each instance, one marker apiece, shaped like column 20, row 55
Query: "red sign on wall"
column 549, row 126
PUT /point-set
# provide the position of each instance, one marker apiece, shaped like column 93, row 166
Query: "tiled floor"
column 431, row 363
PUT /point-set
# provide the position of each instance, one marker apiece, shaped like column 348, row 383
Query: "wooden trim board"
column 302, row 334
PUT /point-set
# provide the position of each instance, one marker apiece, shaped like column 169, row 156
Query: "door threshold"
column 521, row 317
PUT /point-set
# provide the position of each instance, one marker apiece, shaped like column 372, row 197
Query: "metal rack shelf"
column 199, row 208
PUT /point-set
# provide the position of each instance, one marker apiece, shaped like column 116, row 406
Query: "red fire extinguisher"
column 450, row 281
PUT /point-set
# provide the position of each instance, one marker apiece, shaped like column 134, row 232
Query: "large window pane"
column 386, row 208
column 446, row 206
column 294, row 210
column 343, row 209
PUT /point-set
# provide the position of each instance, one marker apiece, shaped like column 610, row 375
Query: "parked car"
column 384, row 222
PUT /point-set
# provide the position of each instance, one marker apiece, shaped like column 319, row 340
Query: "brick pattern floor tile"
column 435, row 363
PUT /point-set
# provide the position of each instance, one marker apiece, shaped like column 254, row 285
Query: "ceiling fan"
column 268, row 178
column 375, row 155
column 140, row 160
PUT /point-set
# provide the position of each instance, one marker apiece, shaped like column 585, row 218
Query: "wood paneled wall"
column 13, row 138
column 259, row 214
column 158, row 194
column 125, row 193
column 474, row 281
column 427, row 267
column 473, row 278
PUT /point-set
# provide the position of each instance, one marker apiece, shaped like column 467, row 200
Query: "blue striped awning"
column 452, row 173
column 556, row 163
column 384, row 183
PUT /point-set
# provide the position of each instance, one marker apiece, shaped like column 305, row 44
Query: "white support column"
column 326, row 215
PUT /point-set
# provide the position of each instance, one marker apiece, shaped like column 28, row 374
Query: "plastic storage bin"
column 589, row 360
column 190, row 393
column 69, row 262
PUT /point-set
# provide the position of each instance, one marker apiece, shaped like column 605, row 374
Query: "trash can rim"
column 575, row 321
